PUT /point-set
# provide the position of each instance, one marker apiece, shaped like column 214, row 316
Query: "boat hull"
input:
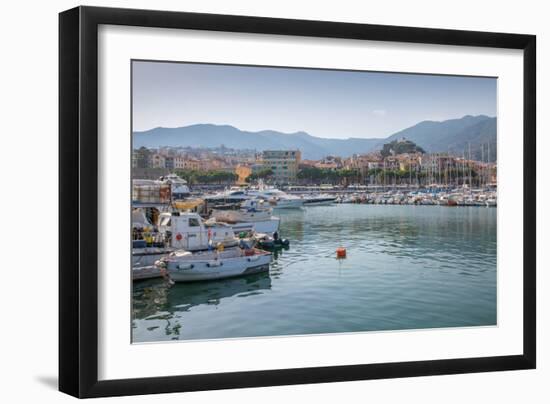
column 266, row 226
column 143, row 262
column 148, row 256
column 319, row 201
column 208, row 270
column 147, row 272
column 288, row 204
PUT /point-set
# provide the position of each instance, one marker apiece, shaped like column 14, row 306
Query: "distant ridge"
column 453, row 135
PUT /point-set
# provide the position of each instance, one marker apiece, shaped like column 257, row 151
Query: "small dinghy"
column 184, row 266
column 268, row 242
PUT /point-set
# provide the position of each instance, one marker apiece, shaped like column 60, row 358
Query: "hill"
column 399, row 147
column 454, row 135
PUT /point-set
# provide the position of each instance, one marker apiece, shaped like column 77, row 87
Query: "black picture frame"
column 78, row 201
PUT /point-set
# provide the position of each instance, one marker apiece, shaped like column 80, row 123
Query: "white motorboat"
column 232, row 195
column 184, row 266
column 178, row 186
column 427, row 201
column 278, row 199
column 250, row 211
column 252, row 216
column 317, row 200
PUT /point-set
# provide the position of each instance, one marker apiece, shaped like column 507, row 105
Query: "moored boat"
column 268, row 242
column 316, row 200
column 250, row 217
column 491, row 202
column 184, row 266
column 278, row 199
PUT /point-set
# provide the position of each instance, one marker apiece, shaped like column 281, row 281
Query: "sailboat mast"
column 470, row 165
column 482, row 168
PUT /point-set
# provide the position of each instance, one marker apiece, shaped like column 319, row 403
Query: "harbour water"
column 407, row 267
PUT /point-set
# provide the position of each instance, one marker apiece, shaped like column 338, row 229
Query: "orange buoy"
column 340, row 252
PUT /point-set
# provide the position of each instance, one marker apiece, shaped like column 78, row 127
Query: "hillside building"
column 283, row 163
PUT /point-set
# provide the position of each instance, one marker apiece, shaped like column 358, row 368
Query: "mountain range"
column 465, row 135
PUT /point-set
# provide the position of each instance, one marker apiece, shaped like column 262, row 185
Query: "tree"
column 317, row 175
column 141, row 156
column 207, row 177
column 264, row 174
column 400, row 147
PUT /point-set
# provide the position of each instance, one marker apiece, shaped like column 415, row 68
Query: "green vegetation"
column 400, row 147
column 207, row 177
column 264, row 174
column 319, row 175
column 142, row 157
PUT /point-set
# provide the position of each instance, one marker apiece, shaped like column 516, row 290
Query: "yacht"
column 320, row 199
column 253, row 215
column 232, row 195
column 278, row 199
column 178, row 186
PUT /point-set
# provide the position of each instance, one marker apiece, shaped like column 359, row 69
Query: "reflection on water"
column 407, row 267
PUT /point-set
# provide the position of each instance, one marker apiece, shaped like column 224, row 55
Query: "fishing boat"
column 188, row 230
column 184, row 266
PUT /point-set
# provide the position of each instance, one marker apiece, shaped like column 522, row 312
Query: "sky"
column 323, row 103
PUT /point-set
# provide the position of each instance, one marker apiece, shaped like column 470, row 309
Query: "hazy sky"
column 324, row 103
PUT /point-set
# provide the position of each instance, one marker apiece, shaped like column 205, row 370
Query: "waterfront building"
column 179, row 162
column 169, row 162
column 215, row 164
column 391, row 163
column 283, row 163
column 409, row 161
column 327, row 165
column 308, row 163
column 157, row 161
column 256, row 167
column 192, row 164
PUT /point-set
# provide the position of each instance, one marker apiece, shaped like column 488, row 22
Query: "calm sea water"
column 407, row 267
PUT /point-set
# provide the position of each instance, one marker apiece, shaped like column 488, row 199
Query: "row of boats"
column 457, row 197
column 231, row 235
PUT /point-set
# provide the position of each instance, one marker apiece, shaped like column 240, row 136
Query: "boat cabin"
column 188, row 230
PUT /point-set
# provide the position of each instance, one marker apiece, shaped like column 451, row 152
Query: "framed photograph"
column 251, row 201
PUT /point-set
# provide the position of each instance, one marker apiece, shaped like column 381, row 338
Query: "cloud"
column 379, row 112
